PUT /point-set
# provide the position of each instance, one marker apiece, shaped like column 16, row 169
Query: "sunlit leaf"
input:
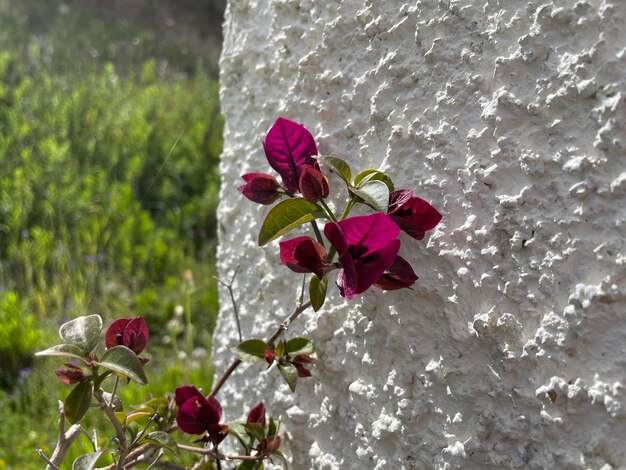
column 373, row 175
column 338, row 166
column 69, row 350
column 285, row 216
column 87, row 461
column 83, row 332
column 375, row 194
column 252, row 350
column 300, row 345
column 122, row 360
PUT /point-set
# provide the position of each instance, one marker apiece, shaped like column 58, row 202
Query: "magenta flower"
column 289, row 147
column 129, row 332
column 257, row 415
column 313, row 184
column 260, row 188
column 300, row 362
column 197, row 414
column 412, row 214
column 367, row 246
column 398, row 276
column 304, row 255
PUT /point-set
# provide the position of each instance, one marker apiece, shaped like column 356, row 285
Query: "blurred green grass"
column 109, row 144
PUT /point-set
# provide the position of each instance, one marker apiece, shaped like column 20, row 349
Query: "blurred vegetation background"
column 110, row 136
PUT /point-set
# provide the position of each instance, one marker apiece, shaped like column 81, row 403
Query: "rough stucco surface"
column 508, row 116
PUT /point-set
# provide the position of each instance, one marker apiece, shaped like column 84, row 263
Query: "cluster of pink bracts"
column 367, row 246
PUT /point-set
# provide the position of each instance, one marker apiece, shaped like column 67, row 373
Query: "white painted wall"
column 510, row 117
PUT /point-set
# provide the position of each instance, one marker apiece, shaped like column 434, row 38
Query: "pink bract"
column 197, row 414
column 304, row 255
column 367, row 246
column 288, row 147
column 130, row 332
column 413, row 215
column 257, row 415
column 313, row 184
column 260, row 188
column 398, row 276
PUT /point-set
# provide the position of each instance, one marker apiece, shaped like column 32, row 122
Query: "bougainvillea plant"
column 360, row 251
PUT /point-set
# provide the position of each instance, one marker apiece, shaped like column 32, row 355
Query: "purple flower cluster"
column 367, row 246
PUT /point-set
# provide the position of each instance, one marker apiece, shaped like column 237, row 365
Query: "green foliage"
column 285, row 216
column 108, row 190
column 18, row 338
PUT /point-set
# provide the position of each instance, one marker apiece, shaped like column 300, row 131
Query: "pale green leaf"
column 83, row 332
column 87, row 461
column 69, row 350
column 375, row 194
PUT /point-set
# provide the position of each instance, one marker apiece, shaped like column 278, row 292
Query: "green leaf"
column 290, row 374
column 256, row 430
column 282, row 458
column 237, row 430
column 251, row 465
column 87, row 461
column 373, row 175
column 287, row 215
column 122, row 360
column 78, row 401
column 317, row 291
column 164, row 440
column 300, row 345
column 83, row 332
column 338, row 166
column 134, row 416
column 64, row 350
column 252, row 350
column 280, row 349
column 271, row 430
column 374, row 194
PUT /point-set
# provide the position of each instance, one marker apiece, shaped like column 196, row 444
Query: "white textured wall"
column 510, row 117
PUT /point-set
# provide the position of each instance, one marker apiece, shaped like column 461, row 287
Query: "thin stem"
column 318, row 234
column 214, row 453
column 281, row 329
column 301, row 301
column 349, row 207
column 328, row 211
column 121, row 435
column 117, row 382
column 229, row 286
column 154, row 462
column 66, row 439
column 45, row 459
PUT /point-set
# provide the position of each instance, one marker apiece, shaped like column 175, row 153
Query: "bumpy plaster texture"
column 510, row 117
